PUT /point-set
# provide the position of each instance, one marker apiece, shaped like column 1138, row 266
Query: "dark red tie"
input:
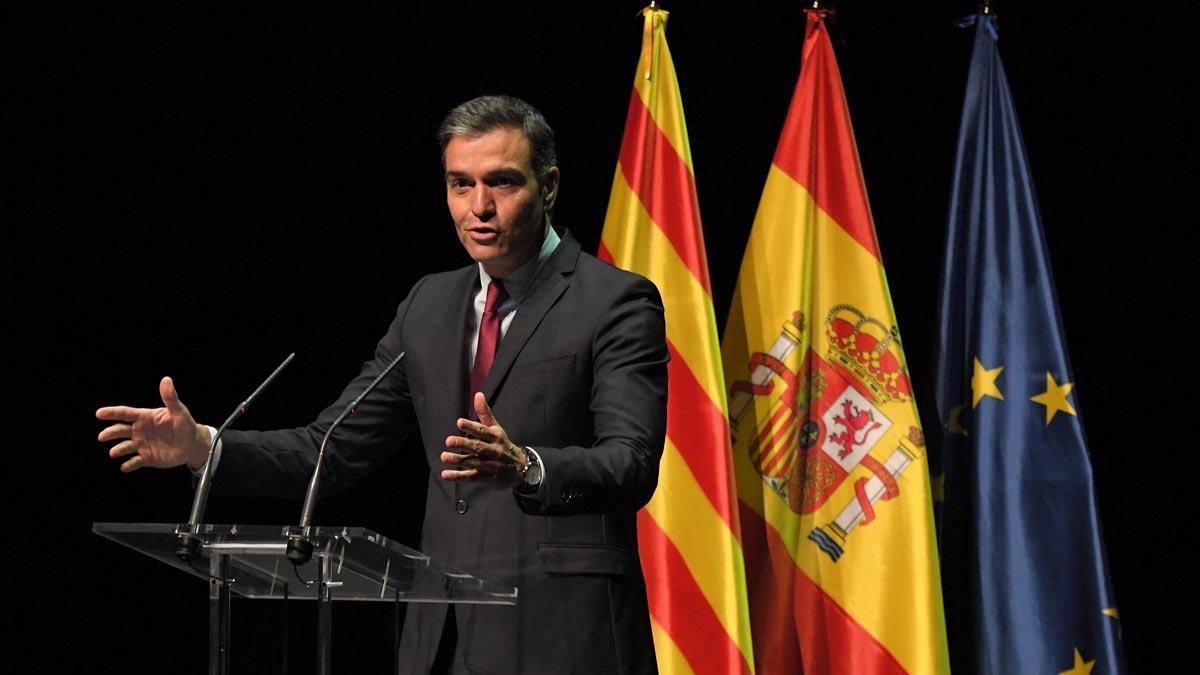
column 489, row 339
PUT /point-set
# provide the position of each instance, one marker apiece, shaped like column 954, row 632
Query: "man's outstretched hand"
column 160, row 438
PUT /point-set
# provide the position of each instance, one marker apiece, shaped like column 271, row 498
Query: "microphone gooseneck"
column 300, row 548
column 189, row 543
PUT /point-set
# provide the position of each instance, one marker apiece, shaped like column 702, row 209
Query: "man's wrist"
column 203, row 444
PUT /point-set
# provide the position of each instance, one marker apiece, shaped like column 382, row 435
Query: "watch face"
column 534, row 475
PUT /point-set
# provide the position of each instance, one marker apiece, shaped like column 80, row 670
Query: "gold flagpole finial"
column 819, row 10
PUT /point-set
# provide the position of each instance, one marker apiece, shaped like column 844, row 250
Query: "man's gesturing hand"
column 484, row 453
column 156, row 437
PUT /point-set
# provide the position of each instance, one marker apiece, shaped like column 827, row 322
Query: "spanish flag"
column 688, row 534
column 830, row 460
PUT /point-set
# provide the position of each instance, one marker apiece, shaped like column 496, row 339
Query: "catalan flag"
column 1027, row 582
column 688, row 534
column 831, row 465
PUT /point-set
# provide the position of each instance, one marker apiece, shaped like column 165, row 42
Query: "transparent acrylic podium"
column 348, row 563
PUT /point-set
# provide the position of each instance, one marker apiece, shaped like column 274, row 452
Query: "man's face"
column 494, row 198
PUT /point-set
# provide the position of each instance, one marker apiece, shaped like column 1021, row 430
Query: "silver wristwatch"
column 531, row 473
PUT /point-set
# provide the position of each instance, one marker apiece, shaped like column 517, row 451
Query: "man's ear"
column 550, row 188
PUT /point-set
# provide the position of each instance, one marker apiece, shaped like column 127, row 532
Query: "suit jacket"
column 581, row 376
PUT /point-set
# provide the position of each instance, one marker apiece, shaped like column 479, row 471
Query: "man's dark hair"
column 481, row 115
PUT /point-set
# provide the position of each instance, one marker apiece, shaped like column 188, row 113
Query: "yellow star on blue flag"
column 1081, row 667
column 983, row 383
column 1055, row 398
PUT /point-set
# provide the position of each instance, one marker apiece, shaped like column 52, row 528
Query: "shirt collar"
column 516, row 285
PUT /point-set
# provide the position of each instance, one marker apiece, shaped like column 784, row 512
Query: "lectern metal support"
column 218, row 614
column 325, row 616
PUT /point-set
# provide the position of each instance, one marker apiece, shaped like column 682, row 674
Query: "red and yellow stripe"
column 876, row 609
column 689, row 534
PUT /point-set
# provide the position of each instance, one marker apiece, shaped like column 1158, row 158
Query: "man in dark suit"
column 537, row 378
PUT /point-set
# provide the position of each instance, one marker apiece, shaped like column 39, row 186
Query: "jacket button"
column 460, row 506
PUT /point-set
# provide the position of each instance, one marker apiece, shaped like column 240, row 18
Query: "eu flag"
column 1024, row 572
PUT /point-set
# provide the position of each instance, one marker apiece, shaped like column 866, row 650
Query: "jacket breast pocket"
column 544, row 366
column 596, row 559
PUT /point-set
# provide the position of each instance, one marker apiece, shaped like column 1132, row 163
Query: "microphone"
column 189, row 544
column 300, row 548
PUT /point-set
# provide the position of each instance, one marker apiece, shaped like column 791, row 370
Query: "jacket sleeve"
column 279, row 463
column 619, row 472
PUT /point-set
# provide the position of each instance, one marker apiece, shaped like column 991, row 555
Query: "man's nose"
column 483, row 205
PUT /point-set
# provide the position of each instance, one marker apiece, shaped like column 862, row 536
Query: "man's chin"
column 483, row 254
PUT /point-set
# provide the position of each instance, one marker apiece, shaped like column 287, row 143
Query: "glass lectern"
column 348, row 563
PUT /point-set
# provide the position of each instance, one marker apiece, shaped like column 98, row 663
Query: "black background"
column 201, row 190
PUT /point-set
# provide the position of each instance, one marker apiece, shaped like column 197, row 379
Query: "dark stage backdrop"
column 202, row 190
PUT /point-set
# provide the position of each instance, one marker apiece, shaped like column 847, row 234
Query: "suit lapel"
column 547, row 286
column 452, row 326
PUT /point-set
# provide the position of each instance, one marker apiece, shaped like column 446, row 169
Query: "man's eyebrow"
column 506, row 172
column 512, row 173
